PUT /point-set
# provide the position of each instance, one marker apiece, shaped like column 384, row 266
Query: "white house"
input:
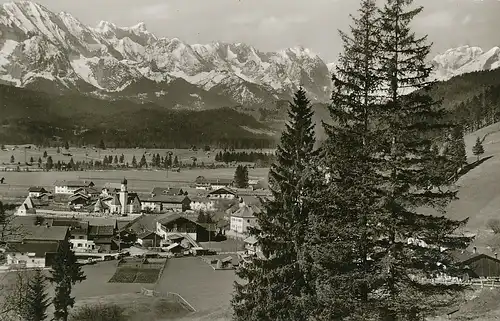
column 27, row 207
column 70, row 187
column 222, row 193
column 31, row 254
column 79, row 238
column 36, row 191
column 202, row 204
column 244, row 218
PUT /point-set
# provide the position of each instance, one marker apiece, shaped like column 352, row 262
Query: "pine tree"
column 408, row 120
column 32, row 160
column 176, row 161
column 65, row 273
column 45, row 154
column 339, row 240
column 239, row 177
column 102, row 145
column 143, row 162
column 39, row 162
column 37, row 300
column 66, row 145
column 134, row 162
column 122, row 159
column 49, row 164
column 58, row 150
column 477, row 149
column 277, row 284
column 12, row 159
column 115, row 160
column 456, row 149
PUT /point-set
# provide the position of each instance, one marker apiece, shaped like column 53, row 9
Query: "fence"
column 142, row 263
column 491, row 282
column 170, row 295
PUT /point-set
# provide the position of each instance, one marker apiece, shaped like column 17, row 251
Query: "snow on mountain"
column 38, row 46
column 464, row 59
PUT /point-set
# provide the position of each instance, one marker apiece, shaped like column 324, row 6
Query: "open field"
column 86, row 154
column 142, row 181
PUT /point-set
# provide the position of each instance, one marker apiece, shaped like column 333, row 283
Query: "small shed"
column 479, row 265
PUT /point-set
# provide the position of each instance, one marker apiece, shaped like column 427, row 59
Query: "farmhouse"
column 244, row 218
column 174, row 224
column 79, row 238
column 31, row 254
column 203, row 183
column 251, row 246
column 199, row 203
column 102, row 236
column 479, row 265
column 164, row 203
column 69, row 187
column 89, row 191
column 222, row 193
column 36, row 191
column 149, row 239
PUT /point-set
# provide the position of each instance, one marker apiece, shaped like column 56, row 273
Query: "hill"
column 42, row 118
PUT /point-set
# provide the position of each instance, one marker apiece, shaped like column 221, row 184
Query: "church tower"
column 124, row 196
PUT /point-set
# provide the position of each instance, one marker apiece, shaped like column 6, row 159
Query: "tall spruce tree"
column 65, row 273
column 37, row 300
column 276, row 285
column 411, row 246
column 477, row 149
column 340, row 239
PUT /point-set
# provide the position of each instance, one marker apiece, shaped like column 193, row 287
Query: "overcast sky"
column 275, row 24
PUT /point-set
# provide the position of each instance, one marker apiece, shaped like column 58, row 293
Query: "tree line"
column 344, row 236
column 228, row 157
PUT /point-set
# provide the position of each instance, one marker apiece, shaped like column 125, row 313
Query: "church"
column 124, row 202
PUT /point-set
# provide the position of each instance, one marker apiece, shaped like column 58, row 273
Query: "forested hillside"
column 40, row 118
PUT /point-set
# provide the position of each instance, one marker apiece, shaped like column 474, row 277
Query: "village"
column 208, row 218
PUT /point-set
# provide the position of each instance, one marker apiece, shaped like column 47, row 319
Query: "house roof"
column 37, row 189
column 174, row 245
column 40, row 249
column 168, row 199
column 220, row 181
column 28, row 202
column 174, row 237
column 131, row 197
column 78, row 195
column 88, row 190
column 116, row 200
column 222, row 191
column 83, row 228
column 103, row 240
column 251, row 240
column 246, row 211
column 148, row 235
column 467, row 256
column 74, row 183
column 99, row 221
column 66, row 222
column 101, row 230
column 44, row 233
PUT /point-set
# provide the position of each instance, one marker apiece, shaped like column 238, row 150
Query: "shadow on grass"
column 473, row 165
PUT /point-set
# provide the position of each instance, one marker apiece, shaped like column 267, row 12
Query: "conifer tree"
column 65, row 273
column 45, row 154
column 32, row 160
column 49, row 164
column 339, row 238
column 134, row 162
column 176, row 161
column 12, row 159
column 143, row 162
column 276, row 285
column 478, row 148
column 410, row 244
column 115, row 160
column 122, row 159
column 102, row 145
column 37, row 300
column 66, row 145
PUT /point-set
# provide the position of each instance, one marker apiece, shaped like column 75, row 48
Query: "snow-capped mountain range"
column 43, row 50
column 464, row 59
column 55, row 52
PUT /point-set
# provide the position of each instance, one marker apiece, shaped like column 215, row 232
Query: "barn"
column 479, row 265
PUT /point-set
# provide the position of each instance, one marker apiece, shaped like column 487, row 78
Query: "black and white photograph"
column 249, row 160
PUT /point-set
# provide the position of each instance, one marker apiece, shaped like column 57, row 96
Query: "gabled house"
column 69, row 187
column 252, row 246
column 92, row 192
column 478, row 265
column 31, row 254
column 26, row 208
column 79, row 238
column 36, row 191
column 102, row 236
column 78, row 201
column 149, row 239
column 222, row 193
column 175, row 224
column 203, row 183
column 164, row 203
column 244, row 218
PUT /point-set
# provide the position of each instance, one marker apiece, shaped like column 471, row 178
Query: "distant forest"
column 47, row 120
